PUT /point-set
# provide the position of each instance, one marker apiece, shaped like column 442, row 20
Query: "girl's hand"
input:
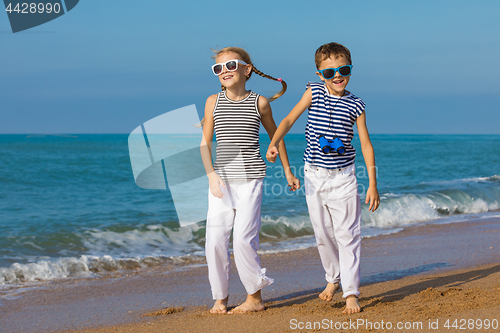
column 293, row 182
column 272, row 153
column 372, row 197
column 215, row 182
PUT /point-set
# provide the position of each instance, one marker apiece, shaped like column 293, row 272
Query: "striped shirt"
column 237, row 125
column 331, row 116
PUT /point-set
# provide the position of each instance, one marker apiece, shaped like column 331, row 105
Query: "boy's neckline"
column 346, row 92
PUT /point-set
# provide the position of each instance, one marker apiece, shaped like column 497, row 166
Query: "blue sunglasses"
column 329, row 73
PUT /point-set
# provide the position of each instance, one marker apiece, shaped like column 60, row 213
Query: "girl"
column 236, row 178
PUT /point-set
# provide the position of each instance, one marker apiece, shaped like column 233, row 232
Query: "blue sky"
column 108, row 66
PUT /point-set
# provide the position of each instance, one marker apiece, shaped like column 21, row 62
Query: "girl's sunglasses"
column 329, row 73
column 231, row 66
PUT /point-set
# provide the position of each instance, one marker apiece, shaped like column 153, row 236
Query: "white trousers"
column 239, row 209
column 335, row 211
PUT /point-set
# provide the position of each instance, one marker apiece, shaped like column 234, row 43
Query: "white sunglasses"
column 231, row 66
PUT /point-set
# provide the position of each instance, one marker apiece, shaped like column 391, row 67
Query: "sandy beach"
column 422, row 278
column 427, row 303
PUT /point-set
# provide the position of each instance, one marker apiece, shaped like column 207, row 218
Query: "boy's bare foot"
column 351, row 305
column 330, row 290
column 252, row 304
column 220, row 306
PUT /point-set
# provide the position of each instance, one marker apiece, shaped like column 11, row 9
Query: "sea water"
column 70, row 207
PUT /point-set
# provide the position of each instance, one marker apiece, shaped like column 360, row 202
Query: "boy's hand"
column 215, row 182
column 272, row 153
column 293, row 182
column 373, row 198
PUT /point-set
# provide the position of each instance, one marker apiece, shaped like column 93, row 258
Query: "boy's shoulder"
column 315, row 85
column 354, row 98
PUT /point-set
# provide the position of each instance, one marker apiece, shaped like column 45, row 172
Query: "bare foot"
column 351, row 305
column 252, row 304
column 220, row 306
column 327, row 294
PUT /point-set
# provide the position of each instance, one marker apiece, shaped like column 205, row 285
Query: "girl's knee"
column 347, row 237
column 245, row 242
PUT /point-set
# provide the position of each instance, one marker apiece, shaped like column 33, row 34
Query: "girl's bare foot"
column 327, row 294
column 220, row 306
column 351, row 305
column 252, row 304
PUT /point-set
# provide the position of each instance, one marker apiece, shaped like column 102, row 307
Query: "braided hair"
column 246, row 58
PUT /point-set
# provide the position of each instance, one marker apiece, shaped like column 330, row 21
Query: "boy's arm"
column 266, row 114
column 206, row 148
column 372, row 195
column 287, row 124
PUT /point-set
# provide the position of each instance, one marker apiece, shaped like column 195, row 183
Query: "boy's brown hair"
column 331, row 49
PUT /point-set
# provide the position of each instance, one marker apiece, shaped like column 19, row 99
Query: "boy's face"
column 336, row 85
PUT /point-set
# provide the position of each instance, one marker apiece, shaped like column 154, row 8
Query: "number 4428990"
column 32, row 8
column 471, row 324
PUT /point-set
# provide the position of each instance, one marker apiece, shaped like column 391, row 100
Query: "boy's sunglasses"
column 329, row 73
column 231, row 66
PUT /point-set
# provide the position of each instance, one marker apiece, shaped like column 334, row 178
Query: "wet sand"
column 426, row 303
column 429, row 272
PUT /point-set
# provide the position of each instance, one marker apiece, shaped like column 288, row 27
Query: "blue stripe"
column 145, row 136
column 330, row 116
column 164, row 173
column 64, row 6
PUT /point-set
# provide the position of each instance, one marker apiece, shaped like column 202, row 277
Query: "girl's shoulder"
column 215, row 96
column 262, row 103
column 212, row 99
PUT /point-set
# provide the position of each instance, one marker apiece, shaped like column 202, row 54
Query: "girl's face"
column 239, row 76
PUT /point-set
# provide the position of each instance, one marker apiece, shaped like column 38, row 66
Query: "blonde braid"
column 283, row 83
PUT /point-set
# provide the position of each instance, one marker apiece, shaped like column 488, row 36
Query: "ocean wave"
column 284, row 228
column 85, row 266
column 466, row 196
column 134, row 247
column 494, row 178
column 154, row 240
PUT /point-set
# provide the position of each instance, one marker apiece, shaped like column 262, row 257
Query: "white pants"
column 335, row 211
column 239, row 209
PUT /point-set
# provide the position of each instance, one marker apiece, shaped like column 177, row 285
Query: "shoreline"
column 120, row 300
column 421, row 303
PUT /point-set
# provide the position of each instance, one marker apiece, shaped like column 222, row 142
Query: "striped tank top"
column 237, row 125
column 331, row 115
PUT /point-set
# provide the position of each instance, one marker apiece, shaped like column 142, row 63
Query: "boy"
column 329, row 173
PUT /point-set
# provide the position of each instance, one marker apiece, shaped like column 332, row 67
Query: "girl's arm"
column 287, row 124
column 214, row 180
column 267, row 120
column 372, row 195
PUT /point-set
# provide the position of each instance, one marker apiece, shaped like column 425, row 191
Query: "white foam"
column 413, row 208
column 85, row 266
column 399, row 211
column 45, row 270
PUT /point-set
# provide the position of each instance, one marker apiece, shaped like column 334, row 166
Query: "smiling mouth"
column 227, row 77
column 338, row 82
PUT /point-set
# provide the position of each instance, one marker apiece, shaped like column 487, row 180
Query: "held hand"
column 293, row 182
column 372, row 197
column 272, row 153
column 215, row 182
